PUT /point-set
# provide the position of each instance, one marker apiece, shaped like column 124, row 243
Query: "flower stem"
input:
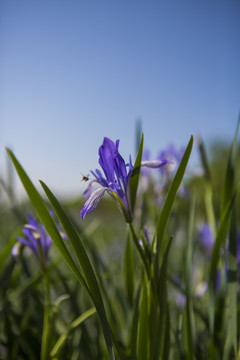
column 45, row 351
column 139, row 249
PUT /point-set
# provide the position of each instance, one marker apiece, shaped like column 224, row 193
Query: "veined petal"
column 93, row 201
column 154, row 164
column 106, row 158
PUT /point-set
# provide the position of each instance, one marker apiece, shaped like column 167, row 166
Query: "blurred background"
column 72, row 72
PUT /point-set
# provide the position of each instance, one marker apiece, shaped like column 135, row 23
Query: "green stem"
column 139, row 249
column 45, row 351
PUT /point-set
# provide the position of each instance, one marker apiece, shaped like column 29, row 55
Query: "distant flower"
column 37, row 239
column 181, row 300
column 174, row 156
column 115, row 180
column 206, row 238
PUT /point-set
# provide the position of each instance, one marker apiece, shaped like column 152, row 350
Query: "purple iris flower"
column 174, row 158
column 37, row 239
column 115, row 180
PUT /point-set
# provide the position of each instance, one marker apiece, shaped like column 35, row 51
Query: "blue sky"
column 72, row 72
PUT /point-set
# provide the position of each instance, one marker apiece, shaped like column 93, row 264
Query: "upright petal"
column 106, row 158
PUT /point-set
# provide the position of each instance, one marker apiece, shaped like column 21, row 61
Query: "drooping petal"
column 27, row 243
column 93, row 201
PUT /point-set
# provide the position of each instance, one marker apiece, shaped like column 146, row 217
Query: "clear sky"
column 72, row 72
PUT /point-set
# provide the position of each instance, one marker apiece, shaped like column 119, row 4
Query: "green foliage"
column 158, row 293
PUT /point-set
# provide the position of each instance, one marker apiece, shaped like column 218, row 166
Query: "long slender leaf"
column 129, row 273
column 143, row 324
column 77, row 322
column 46, row 219
column 219, row 241
column 231, row 306
column 229, row 194
column 134, row 179
column 168, row 204
column 229, row 185
column 85, row 264
column 208, row 192
column 231, row 303
column 134, row 327
column 188, row 324
column 162, row 298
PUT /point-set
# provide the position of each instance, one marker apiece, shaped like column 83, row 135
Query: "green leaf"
column 232, row 286
column 6, row 251
column 138, row 132
column 46, row 219
column 77, row 322
column 162, row 298
column 168, row 204
column 129, row 273
column 230, row 179
column 208, row 191
column 134, row 327
column 143, row 324
column 229, row 194
column 85, row 264
column 134, row 179
column 219, row 241
column 188, row 323
column 167, row 343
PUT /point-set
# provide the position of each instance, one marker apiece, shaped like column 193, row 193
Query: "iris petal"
column 93, row 201
column 154, row 164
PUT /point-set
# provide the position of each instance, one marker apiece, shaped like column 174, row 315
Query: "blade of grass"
column 188, row 324
column 143, row 324
column 134, row 178
column 168, row 204
column 208, row 186
column 229, row 194
column 46, row 219
column 231, row 306
column 129, row 269
column 230, row 179
column 77, row 322
column 85, row 264
column 162, row 299
column 231, row 303
column 134, row 327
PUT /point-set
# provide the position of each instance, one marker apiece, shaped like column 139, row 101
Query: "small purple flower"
column 181, row 300
column 37, row 239
column 115, row 180
column 206, row 238
column 174, row 158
